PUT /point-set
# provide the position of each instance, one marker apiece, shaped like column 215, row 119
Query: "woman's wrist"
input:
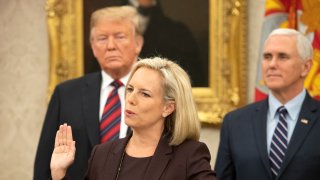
column 58, row 174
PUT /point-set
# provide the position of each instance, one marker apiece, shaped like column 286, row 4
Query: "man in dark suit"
column 277, row 138
column 163, row 37
column 116, row 41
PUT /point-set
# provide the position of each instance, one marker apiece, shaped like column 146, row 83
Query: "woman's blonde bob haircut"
column 183, row 123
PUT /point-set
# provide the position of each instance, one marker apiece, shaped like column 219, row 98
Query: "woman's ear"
column 169, row 108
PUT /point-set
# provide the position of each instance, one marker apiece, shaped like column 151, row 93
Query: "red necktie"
column 111, row 116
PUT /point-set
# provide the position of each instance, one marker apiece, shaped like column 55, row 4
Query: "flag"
column 302, row 15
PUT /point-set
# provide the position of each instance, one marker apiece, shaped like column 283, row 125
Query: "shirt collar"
column 107, row 79
column 293, row 106
column 135, row 3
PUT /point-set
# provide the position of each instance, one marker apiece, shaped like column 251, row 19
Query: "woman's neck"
column 142, row 144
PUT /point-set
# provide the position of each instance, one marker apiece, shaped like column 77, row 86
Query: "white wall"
column 24, row 81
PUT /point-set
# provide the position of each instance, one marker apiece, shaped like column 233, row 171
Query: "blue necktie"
column 279, row 142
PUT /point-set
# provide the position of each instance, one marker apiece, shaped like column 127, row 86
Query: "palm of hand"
column 63, row 156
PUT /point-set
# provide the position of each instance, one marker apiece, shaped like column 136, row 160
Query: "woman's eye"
column 129, row 89
column 146, row 94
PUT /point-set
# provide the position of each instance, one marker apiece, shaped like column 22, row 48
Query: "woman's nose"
column 130, row 98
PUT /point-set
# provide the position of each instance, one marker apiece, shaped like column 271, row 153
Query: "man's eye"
column 283, row 56
column 267, row 57
column 120, row 36
column 102, row 40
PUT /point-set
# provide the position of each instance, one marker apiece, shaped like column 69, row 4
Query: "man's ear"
column 139, row 41
column 92, row 43
column 306, row 68
column 169, row 107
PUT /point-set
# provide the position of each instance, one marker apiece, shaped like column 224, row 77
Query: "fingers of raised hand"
column 62, row 135
column 64, row 139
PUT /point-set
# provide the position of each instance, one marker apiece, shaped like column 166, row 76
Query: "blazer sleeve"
column 199, row 163
column 46, row 142
column 224, row 167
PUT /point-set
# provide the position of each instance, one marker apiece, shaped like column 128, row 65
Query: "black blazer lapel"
column 160, row 159
column 259, row 119
column 308, row 113
column 91, row 100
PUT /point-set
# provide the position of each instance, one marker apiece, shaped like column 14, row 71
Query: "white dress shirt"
column 293, row 107
column 106, row 88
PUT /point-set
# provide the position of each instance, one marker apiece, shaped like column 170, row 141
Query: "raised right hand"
column 63, row 153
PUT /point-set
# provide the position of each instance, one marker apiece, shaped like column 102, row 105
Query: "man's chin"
column 114, row 65
column 274, row 87
column 273, row 84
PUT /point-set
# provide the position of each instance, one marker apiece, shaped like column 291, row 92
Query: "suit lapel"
column 307, row 113
column 160, row 159
column 259, row 119
column 114, row 158
column 90, row 100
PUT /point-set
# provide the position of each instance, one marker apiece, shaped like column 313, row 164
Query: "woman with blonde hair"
column 164, row 143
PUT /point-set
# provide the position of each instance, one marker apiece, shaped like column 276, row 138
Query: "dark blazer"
column 75, row 102
column 243, row 155
column 189, row 160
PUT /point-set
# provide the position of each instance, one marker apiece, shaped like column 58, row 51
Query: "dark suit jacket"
column 189, row 160
column 243, row 155
column 75, row 102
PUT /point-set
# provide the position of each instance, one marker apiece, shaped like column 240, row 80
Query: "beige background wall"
column 24, row 79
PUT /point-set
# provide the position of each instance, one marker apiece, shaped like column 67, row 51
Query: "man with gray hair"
column 277, row 138
column 92, row 103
